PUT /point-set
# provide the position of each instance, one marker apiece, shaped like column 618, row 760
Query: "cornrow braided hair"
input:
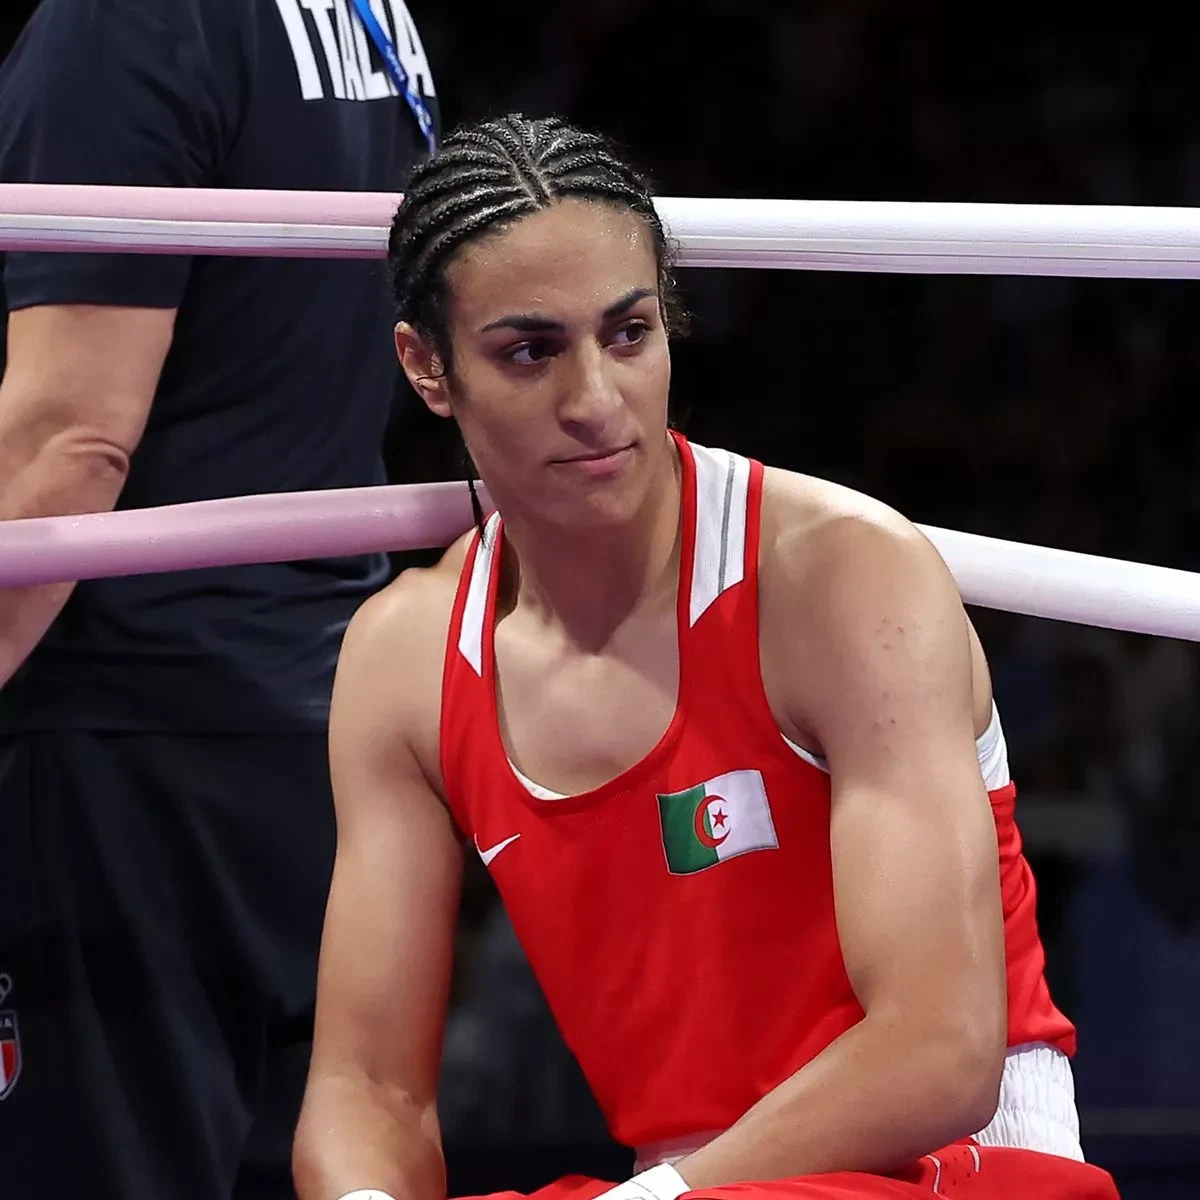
column 488, row 175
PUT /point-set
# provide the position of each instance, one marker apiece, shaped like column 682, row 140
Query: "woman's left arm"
column 915, row 866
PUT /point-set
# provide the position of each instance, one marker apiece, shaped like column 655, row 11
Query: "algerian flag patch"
column 720, row 819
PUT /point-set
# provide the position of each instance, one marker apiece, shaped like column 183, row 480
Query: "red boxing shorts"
column 962, row 1171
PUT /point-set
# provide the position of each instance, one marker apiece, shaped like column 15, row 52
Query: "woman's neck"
column 589, row 581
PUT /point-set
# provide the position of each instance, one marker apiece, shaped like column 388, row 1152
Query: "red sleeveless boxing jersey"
column 680, row 918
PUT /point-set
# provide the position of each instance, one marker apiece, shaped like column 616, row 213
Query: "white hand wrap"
column 658, row 1183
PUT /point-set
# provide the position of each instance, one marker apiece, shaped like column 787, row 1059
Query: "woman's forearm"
column 875, row 1099
column 354, row 1134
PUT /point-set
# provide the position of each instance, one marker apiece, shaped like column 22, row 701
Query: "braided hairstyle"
column 484, row 178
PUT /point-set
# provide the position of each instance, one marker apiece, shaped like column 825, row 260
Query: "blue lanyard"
column 396, row 70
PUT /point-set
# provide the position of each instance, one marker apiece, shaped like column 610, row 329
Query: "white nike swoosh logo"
column 490, row 853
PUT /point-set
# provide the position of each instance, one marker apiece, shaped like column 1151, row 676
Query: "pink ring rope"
column 199, row 204
column 282, row 527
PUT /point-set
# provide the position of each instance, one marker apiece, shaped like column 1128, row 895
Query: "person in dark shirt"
column 163, row 775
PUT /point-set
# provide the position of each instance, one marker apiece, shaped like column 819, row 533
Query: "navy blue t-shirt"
column 281, row 372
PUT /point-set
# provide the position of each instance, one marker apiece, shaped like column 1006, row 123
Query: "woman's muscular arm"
column 874, row 652
column 370, row 1116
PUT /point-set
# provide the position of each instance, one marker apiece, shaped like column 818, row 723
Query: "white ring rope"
column 1034, row 580
column 1004, row 239
column 817, row 235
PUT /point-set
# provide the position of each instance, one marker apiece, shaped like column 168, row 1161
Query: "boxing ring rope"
column 1158, row 243
column 1033, row 580
column 821, row 235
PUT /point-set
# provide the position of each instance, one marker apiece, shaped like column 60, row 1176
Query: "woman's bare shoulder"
column 389, row 673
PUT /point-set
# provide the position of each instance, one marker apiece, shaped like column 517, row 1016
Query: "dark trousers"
column 161, row 900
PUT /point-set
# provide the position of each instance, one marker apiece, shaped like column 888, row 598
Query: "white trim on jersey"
column 722, row 491
column 993, row 753
column 470, row 636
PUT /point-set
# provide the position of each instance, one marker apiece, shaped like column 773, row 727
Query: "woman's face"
column 561, row 371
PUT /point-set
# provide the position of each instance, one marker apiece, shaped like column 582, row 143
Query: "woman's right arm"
column 369, row 1119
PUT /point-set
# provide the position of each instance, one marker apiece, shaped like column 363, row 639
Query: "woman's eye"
column 528, row 354
column 631, row 334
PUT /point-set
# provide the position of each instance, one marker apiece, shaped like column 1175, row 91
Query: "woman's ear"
column 424, row 369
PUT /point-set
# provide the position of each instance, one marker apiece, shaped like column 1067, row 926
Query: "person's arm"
column 74, row 399
column 877, row 620
column 109, row 94
column 369, row 1119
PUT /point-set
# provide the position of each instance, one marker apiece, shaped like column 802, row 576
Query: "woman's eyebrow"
column 626, row 302
column 531, row 323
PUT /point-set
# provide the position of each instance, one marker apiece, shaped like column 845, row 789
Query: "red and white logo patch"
column 10, row 1043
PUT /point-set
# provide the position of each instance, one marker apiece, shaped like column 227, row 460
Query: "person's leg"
column 264, row 1171
column 998, row 1172
column 569, row 1187
column 110, row 911
column 958, row 1172
column 286, row 891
